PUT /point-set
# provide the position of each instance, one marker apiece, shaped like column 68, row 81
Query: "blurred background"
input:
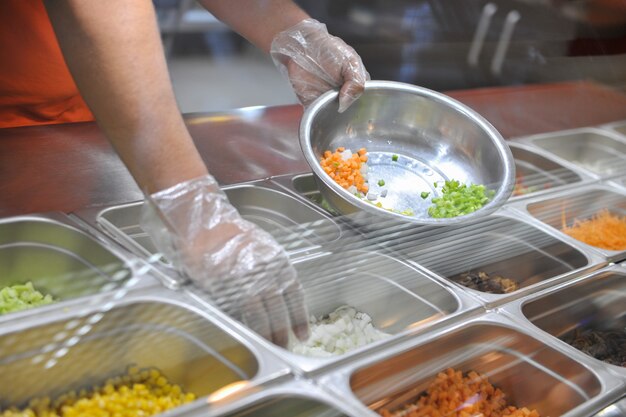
column 440, row 44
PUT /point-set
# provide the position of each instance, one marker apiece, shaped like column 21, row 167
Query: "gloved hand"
column 245, row 271
column 316, row 62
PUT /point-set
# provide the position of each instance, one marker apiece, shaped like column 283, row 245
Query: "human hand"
column 244, row 270
column 316, row 62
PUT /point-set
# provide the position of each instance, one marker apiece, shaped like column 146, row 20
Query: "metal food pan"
column 597, row 301
column 501, row 245
column 537, row 174
column 295, row 225
column 619, row 182
column 305, row 186
column 531, row 372
column 294, row 398
column 599, row 152
column 158, row 329
column 401, row 300
column 58, row 258
column 581, row 203
column 619, row 127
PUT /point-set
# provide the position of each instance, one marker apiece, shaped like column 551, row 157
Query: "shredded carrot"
column 453, row 395
column 604, row 230
column 347, row 172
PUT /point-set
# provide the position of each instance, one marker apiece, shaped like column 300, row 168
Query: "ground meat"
column 481, row 281
column 606, row 345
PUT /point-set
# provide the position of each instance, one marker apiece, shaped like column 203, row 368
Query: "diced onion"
column 343, row 330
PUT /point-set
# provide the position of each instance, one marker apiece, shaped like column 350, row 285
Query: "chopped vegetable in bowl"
column 342, row 330
column 459, row 199
column 21, row 297
column 348, row 169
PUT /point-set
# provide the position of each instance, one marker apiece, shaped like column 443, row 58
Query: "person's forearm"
column 114, row 52
column 257, row 20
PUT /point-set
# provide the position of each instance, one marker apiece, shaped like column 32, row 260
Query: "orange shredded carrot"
column 346, row 173
column 604, row 230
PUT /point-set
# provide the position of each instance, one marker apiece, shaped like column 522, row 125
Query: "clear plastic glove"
column 244, row 270
column 316, row 62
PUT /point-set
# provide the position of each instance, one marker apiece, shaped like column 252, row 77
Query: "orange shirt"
column 35, row 84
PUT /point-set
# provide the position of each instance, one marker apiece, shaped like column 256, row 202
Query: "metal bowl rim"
column 502, row 194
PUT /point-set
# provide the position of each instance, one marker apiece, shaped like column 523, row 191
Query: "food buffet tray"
column 537, row 173
column 296, row 398
column 297, row 226
column 596, row 302
column 62, row 260
column 504, row 244
column 581, row 203
column 71, row 350
column 531, row 369
column 401, row 300
column 619, row 127
column 597, row 152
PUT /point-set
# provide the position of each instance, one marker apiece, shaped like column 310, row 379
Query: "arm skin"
column 114, row 52
column 257, row 20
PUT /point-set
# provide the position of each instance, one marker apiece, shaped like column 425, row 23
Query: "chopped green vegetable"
column 435, row 184
column 381, row 182
column 394, row 158
column 459, row 199
column 20, row 297
column 425, row 194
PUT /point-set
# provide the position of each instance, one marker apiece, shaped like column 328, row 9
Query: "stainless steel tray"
column 297, row 226
column 400, row 299
column 619, row 127
column 158, row 328
column 598, row 300
column 304, row 185
column 530, row 369
column 503, row 244
column 61, row 260
column 597, row 152
column 581, row 203
column 536, row 173
column 296, row 398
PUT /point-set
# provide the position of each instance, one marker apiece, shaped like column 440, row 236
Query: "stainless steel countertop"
column 72, row 166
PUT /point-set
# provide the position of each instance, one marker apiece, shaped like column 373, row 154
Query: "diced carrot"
column 347, row 173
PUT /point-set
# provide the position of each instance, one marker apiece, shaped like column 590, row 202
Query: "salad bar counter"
column 521, row 313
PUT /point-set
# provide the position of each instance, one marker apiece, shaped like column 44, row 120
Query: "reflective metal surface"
column 563, row 208
column 501, row 245
column 435, row 138
column 536, row 173
column 619, row 127
column 597, row 303
column 429, row 315
column 530, row 370
column 401, row 300
column 57, row 258
column 596, row 151
column 297, row 398
column 71, row 350
column 297, row 226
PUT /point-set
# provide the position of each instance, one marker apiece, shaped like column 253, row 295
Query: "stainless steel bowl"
column 435, row 138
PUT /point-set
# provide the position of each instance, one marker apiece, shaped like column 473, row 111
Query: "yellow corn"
column 139, row 393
